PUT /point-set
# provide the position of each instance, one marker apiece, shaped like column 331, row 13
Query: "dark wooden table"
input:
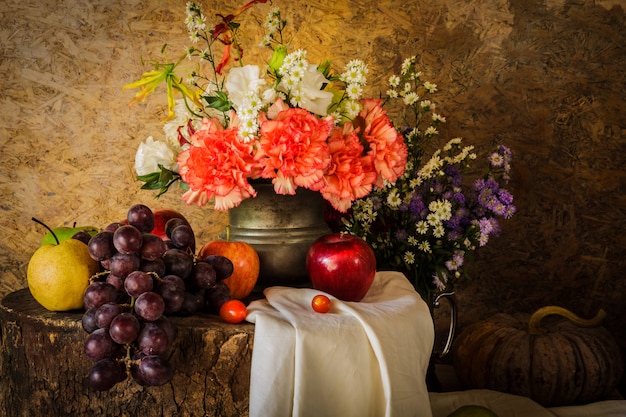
column 44, row 369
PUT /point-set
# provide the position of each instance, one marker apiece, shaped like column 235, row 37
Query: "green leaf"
column 161, row 180
column 219, row 102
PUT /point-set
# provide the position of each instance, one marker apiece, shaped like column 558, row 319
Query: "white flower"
column 430, row 87
column 411, row 98
column 406, row 65
column 394, row 81
column 409, row 258
column 354, row 91
column 392, row 93
column 438, row 118
column 313, row 98
column 393, row 199
column 422, row 227
column 152, row 153
column 351, row 108
column 241, row 82
column 431, row 131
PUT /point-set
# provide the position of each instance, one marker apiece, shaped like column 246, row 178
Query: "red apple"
column 342, row 265
column 245, row 261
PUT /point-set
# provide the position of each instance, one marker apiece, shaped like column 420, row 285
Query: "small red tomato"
column 233, row 311
column 321, row 303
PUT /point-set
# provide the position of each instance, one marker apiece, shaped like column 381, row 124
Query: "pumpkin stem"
column 534, row 324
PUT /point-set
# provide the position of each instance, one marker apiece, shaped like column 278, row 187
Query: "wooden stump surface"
column 44, row 368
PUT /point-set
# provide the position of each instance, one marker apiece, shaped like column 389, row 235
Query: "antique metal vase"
column 281, row 228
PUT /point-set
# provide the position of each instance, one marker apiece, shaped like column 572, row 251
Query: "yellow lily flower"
column 151, row 79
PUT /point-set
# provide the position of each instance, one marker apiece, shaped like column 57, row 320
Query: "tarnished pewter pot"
column 281, row 228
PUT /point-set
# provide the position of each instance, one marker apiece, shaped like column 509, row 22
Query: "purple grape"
column 127, row 239
column 99, row 345
column 123, row 264
column 101, row 246
column 172, row 223
column 124, row 328
column 89, row 320
column 152, row 339
column 216, row 296
column 168, row 327
column 82, row 236
column 178, row 262
column 182, row 236
column 172, row 289
column 149, row 306
column 152, row 247
column 138, row 282
column 117, row 282
column 99, row 293
column 105, row 374
column 155, row 370
column 203, row 275
column 174, row 281
column 105, row 313
column 222, row 265
column 134, row 368
column 193, row 303
column 157, row 266
column 141, row 217
column 172, row 298
column 112, row 227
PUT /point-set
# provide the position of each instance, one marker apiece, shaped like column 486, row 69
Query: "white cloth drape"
column 366, row 358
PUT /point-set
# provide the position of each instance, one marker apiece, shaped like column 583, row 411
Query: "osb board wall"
column 544, row 77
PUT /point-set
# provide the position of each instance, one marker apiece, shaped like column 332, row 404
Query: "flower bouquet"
column 296, row 124
column 428, row 221
column 289, row 122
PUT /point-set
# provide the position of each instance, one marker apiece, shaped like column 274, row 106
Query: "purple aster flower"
column 510, row 210
column 496, row 160
column 505, row 196
column 440, row 282
column 459, row 198
column 401, row 235
column 479, row 184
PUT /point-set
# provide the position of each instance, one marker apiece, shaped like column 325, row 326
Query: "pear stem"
column 47, row 227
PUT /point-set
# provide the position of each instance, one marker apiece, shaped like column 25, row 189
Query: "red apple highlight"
column 245, row 261
column 342, row 265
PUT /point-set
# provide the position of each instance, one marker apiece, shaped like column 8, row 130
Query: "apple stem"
column 228, row 233
column 47, row 227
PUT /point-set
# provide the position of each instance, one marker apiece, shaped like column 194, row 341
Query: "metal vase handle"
column 449, row 296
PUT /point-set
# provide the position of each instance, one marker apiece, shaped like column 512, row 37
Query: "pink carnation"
column 387, row 147
column 216, row 165
column 351, row 172
column 293, row 150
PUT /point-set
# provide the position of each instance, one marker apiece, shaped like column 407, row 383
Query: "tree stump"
column 44, row 370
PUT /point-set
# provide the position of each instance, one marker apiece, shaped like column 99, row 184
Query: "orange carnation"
column 387, row 147
column 216, row 166
column 351, row 173
column 293, row 150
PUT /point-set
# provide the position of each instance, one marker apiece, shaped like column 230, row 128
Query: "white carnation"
column 152, row 153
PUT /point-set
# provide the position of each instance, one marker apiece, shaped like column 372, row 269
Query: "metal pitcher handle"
column 449, row 296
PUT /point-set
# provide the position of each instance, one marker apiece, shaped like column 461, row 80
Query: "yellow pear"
column 58, row 275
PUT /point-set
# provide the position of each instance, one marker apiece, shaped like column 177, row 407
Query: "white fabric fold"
column 366, row 358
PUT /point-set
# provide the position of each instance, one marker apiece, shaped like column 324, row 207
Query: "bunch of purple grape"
column 145, row 280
